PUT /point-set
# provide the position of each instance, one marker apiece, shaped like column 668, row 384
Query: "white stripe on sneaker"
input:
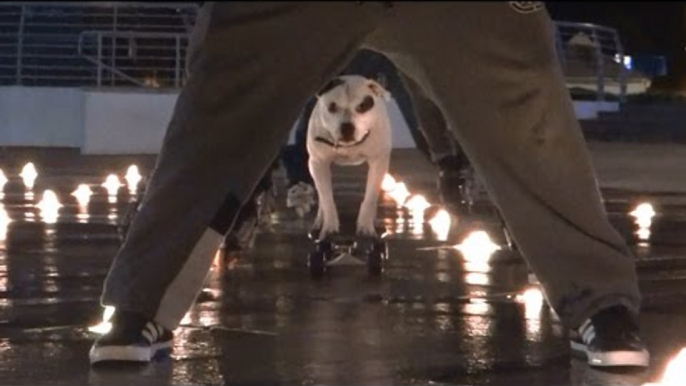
column 153, row 331
column 148, row 335
column 590, row 338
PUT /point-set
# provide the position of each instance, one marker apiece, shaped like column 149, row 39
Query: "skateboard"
column 347, row 250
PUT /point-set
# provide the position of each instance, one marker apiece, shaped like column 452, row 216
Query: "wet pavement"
column 437, row 315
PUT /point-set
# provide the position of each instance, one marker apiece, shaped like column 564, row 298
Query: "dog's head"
column 350, row 106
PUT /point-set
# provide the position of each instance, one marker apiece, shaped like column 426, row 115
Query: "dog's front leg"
column 367, row 215
column 327, row 216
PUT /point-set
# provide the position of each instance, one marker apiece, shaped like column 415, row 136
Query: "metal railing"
column 143, row 44
column 592, row 58
column 146, row 59
column 94, row 43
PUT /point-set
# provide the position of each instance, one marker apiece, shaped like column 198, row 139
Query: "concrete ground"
column 436, row 316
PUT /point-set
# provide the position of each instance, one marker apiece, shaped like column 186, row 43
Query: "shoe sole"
column 129, row 353
column 613, row 358
column 161, row 349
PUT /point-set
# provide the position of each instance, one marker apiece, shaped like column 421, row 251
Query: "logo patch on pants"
column 526, row 6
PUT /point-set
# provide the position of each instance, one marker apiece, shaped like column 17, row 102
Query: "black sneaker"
column 610, row 338
column 133, row 338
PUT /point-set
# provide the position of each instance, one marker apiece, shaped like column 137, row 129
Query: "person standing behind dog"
column 490, row 67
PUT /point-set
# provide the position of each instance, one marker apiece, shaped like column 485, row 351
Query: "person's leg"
column 424, row 119
column 433, row 130
column 301, row 193
column 245, row 89
column 295, row 156
column 504, row 96
column 243, row 232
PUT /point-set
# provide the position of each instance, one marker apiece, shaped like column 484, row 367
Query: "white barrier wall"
column 41, row 116
column 590, row 109
column 125, row 122
column 121, row 121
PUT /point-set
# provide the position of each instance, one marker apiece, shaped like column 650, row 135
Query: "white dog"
column 349, row 126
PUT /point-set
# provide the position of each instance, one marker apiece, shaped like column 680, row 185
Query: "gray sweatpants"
column 491, row 68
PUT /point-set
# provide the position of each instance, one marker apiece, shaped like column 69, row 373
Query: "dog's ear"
column 333, row 83
column 379, row 90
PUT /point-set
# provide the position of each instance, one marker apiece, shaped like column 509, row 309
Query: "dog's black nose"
column 347, row 131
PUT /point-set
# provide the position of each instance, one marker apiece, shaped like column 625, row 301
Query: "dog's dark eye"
column 333, row 107
column 366, row 105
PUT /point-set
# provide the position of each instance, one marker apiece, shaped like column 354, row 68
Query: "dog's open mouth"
column 351, row 141
column 345, row 142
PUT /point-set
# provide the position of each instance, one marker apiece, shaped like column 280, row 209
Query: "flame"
column 675, row 372
column 643, row 234
column 5, row 221
column 112, row 185
column 29, row 174
column 83, row 194
column 477, row 278
column 417, row 204
column 133, row 177
column 440, row 224
column 105, row 326
column 644, row 214
column 477, row 246
column 399, row 193
column 49, row 207
column 388, row 183
column 3, row 179
column 533, row 301
column 477, row 266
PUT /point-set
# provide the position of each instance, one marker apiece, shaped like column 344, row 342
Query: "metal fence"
column 143, row 44
column 94, row 43
column 592, row 59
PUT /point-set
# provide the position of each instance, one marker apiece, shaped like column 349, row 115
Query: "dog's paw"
column 366, row 229
column 318, row 221
column 328, row 228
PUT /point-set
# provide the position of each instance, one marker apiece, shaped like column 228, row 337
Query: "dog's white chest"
column 348, row 158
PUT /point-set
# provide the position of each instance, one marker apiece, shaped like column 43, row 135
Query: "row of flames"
column 29, row 174
column 417, row 204
column 49, row 205
column 476, row 247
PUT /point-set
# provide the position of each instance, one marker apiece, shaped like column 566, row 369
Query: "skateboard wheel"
column 374, row 263
column 326, row 248
column 317, row 264
column 380, row 247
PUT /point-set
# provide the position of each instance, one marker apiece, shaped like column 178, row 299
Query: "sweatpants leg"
column 295, row 157
column 493, row 71
column 254, row 66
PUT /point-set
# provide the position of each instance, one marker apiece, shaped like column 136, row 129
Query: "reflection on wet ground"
column 455, row 304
